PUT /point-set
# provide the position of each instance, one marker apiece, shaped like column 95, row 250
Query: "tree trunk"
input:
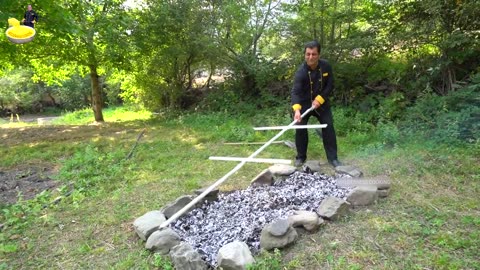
column 314, row 21
column 212, row 70
column 351, row 15
column 96, row 94
column 332, row 30
column 52, row 99
column 322, row 24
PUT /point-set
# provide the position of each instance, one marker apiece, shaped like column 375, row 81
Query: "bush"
column 454, row 118
column 18, row 93
column 74, row 93
column 347, row 121
column 221, row 99
column 388, row 133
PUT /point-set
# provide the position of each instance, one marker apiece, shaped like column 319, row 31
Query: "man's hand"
column 298, row 116
column 23, row 20
column 315, row 104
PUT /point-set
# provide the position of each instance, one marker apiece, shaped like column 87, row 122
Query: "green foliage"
column 392, row 107
column 227, row 127
column 151, row 55
column 76, row 36
column 267, row 261
column 221, row 99
column 18, row 216
column 449, row 28
column 449, row 119
column 112, row 114
column 83, row 116
column 389, row 134
column 91, row 167
column 173, row 40
column 74, row 93
column 350, row 121
column 17, row 91
column 161, row 262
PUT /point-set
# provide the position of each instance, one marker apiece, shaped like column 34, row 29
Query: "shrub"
column 454, row 118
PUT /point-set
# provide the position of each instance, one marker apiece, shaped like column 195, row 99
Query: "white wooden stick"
column 291, row 127
column 246, row 143
column 258, row 160
column 225, row 177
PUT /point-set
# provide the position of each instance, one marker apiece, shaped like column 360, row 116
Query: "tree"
column 446, row 33
column 173, row 41
column 90, row 36
column 240, row 27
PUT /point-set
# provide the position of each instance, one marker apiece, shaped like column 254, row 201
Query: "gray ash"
column 242, row 214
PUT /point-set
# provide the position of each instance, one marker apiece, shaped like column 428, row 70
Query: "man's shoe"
column 299, row 162
column 335, row 163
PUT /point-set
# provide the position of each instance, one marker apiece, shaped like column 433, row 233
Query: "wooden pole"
column 291, row 127
column 258, row 160
column 225, row 177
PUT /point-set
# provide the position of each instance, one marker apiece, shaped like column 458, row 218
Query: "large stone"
column 313, row 165
column 282, row 170
column 350, row 170
column 211, row 196
column 332, row 208
column 278, row 227
column 145, row 225
column 234, row 256
column 362, row 196
column 265, row 178
column 184, row 257
column 172, row 208
column 309, row 220
column 269, row 241
column 162, row 241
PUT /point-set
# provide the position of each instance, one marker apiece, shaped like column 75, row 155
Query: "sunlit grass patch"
column 113, row 114
column 16, row 124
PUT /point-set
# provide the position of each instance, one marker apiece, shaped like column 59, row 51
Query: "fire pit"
column 263, row 216
column 242, row 214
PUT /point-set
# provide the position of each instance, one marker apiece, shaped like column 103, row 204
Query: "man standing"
column 312, row 86
column 30, row 17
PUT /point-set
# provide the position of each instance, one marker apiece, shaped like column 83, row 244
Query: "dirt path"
column 26, row 182
column 31, row 118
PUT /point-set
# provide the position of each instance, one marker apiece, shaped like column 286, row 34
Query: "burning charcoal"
column 242, row 214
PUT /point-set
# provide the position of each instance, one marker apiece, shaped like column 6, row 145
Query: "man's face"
column 311, row 57
column 29, row 7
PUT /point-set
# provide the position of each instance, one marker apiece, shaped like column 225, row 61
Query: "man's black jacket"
column 30, row 15
column 312, row 84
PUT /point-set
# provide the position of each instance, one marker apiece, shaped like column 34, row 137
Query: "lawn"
column 431, row 220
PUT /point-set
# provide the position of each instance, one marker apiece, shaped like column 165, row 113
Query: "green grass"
column 431, row 219
column 112, row 114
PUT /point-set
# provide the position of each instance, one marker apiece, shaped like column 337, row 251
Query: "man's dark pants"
column 324, row 116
